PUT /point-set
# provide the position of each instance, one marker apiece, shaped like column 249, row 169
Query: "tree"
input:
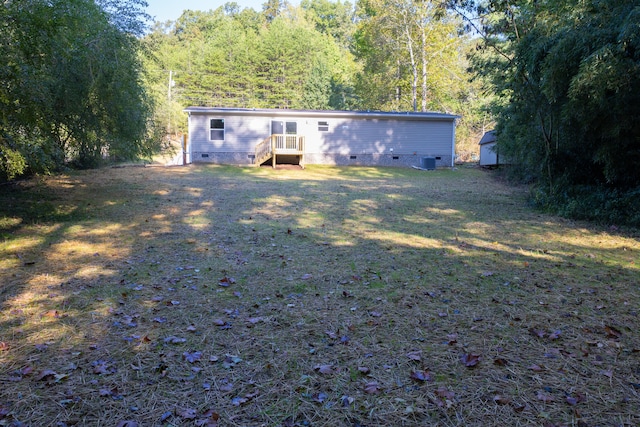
column 400, row 42
column 240, row 59
column 568, row 76
column 72, row 88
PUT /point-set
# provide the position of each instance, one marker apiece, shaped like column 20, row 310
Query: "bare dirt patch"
column 212, row 295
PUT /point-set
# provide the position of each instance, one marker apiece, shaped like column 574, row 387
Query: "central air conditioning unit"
column 428, row 163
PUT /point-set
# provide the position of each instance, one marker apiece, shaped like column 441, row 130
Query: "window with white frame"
column 323, row 126
column 216, row 130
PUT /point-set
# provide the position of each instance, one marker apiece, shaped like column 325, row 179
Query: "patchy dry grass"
column 320, row 297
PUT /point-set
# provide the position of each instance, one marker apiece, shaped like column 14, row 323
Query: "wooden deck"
column 278, row 144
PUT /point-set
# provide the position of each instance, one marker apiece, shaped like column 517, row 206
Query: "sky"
column 165, row 10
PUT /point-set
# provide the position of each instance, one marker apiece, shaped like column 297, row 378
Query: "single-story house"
column 489, row 155
column 245, row 136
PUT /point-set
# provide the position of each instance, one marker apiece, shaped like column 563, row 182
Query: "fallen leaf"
column 555, row 335
column 174, row 340
column 500, row 362
column 319, row 397
column 210, row 419
column 186, row 413
column 372, row 387
column 105, row 392
column 52, row 313
column 325, row 369
column 421, row 376
column 226, row 281
column 226, row 387
column 501, row 400
column 239, row 400
column 364, row 370
column 518, row 408
column 546, row 398
column 191, row 328
column 252, row 395
column 536, row 368
column 46, row 375
column 452, row 339
column 415, row 355
column 230, row 361
column 4, row 346
column 470, row 360
column 612, row 332
column 347, row 400
column 574, row 400
column 192, row 357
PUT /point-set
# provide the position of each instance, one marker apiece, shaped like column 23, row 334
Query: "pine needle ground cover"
column 221, row 296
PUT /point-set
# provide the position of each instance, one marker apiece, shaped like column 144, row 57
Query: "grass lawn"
column 222, row 296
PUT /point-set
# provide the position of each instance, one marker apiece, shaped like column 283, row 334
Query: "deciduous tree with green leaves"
column 568, row 118
column 406, row 46
column 71, row 89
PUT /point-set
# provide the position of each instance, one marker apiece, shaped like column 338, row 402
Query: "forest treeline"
column 87, row 79
column 321, row 54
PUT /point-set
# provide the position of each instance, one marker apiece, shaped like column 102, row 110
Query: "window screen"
column 217, row 130
column 323, row 126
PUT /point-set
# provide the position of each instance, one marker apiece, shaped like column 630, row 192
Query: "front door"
column 289, row 130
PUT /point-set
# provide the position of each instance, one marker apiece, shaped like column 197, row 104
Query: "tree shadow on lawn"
column 338, row 296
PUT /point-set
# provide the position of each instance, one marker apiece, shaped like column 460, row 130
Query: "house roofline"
column 321, row 113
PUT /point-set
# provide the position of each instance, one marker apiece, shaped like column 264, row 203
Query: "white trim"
column 224, row 128
column 223, row 112
column 453, row 143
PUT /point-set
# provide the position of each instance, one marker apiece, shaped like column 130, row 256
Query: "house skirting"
column 400, row 160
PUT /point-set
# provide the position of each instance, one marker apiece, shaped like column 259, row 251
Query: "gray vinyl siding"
column 376, row 136
column 241, row 134
column 358, row 138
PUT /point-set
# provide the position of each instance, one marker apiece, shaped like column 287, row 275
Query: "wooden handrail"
column 279, row 144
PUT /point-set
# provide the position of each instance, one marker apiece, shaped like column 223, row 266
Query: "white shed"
column 489, row 155
column 245, row 136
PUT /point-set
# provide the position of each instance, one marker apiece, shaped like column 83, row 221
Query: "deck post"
column 273, row 151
